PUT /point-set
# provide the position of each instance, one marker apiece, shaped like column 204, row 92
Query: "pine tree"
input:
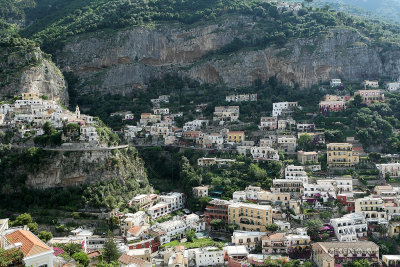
column 111, row 252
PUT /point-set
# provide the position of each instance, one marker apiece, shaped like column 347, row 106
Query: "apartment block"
column 341, row 155
column 250, row 217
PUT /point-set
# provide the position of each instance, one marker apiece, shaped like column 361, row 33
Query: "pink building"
column 370, row 96
column 332, row 106
column 269, row 123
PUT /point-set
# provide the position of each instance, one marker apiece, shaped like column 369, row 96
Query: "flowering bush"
column 58, row 251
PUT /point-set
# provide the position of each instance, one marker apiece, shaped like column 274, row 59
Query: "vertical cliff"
column 137, row 55
column 63, row 169
column 25, row 68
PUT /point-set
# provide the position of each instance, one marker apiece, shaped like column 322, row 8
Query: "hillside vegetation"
column 56, row 20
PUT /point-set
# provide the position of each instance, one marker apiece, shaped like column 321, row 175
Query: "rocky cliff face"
column 342, row 53
column 31, row 72
column 129, row 59
column 65, row 169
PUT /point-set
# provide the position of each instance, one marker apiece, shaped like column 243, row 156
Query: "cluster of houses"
column 279, row 131
column 251, row 211
column 29, row 113
column 261, row 224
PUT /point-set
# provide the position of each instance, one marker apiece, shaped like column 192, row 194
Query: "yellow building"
column 394, row 229
column 236, row 137
column 250, row 217
column 371, row 207
column 391, row 260
column 341, row 155
column 275, row 198
column 29, row 96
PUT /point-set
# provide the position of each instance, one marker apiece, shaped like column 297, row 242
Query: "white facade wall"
column 296, row 173
column 335, row 82
column 239, row 196
column 174, row 200
column 40, row 260
column 350, row 227
column 209, row 256
column 392, row 168
column 264, row 153
column 393, row 86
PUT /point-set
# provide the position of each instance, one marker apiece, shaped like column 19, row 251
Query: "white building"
column 139, row 218
column 126, row 115
column 36, row 253
column 160, row 99
column 239, row 196
column 370, row 84
column 283, row 225
column 246, row 238
column 194, row 125
column 241, row 98
column 278, row 108
column 173, row 228
column 305, row 127
column 194, row 222
column 200, row 191
column 344, row 185
column 211, row 140
column 131, row 131
column 264, row 153
column 296, row 173
column 160, row 111
column 236, row 252
column 350, row 227
column 287, row 143
column 267, row 142
column 174, row 200
column 394, row 86
column 250, row 193
column 325, row 191
column 335, row 82
column 159, row 210
column 393, row 169
column 89, row 133
column 208, row 256
column 226, row 113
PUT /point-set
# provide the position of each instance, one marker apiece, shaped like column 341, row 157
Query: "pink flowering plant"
column 58, row 251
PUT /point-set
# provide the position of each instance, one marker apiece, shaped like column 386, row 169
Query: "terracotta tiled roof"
column 275, row 236
column 126, row 260
column 135, row 230
column 31, row 245
column 94, row 254
column 384, row 187
column 390, row 205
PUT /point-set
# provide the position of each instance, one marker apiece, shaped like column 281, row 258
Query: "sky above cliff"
column 387, row 10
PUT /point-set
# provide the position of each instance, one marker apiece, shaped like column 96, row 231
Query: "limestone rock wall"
column 129, row 59
column 65, row 169
column 32, row 72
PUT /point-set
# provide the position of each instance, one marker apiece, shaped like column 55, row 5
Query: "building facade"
column 329, row 254
column 341, row 155
column 250, row 217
